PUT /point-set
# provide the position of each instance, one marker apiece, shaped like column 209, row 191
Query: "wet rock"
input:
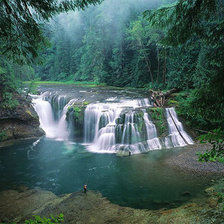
column 75, row 118
column 213, row 202
column 22, row 188
column 92, row 208
column 210, row 191
column 19, row 122
column 186, row 194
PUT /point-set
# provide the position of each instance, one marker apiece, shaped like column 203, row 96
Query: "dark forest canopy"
column 21, row 25
column 22, row 38
column 172, row 44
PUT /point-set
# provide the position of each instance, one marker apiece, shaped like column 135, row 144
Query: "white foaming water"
column 115, row 126
column 177, row 135
column 100, row 127
column 153, row 141
column 53, row 128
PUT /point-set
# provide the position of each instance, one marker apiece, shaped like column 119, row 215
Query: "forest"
column 104, row 106
column 143, row 44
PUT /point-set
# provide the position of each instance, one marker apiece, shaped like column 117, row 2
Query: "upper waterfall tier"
column 52, row 110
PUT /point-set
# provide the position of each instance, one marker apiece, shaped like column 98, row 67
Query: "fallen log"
column 158, row 97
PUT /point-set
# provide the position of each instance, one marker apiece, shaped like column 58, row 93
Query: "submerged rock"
column 186, row 193
column 83, row 208
column 213, row 202
column 19, row 122
column 210, row 191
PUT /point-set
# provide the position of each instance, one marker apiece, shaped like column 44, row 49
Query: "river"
column 63, row 165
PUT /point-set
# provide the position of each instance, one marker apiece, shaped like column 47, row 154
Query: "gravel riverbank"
column 187, row 161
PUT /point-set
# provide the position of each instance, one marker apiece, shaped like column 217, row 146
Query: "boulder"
column 20, row 121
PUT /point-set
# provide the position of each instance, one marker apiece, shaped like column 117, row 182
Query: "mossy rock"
column 158, row 117
column 75, row 117
column 3, row 135
column 173, row 103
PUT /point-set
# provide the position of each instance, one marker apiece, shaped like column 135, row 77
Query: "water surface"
column 139, row 181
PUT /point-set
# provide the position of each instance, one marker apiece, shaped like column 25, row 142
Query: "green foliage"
column 52, row 220
column 194, row 32
column 77, row 111
column 32, row 88
column 21, row 29
column 216, row 139
column 22, row 38
column 157, row 115
column 8, row 85
column 9, row 101
column 220, row 196
column 118, row 50
column 81, row 83
column 2, row 135
column 85, row 103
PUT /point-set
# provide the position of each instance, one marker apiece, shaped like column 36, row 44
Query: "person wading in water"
column 85, row 188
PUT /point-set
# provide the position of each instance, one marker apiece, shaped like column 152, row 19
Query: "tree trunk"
column 164, row 69
column 158, row 68
column 159, row 97
column 146, row 60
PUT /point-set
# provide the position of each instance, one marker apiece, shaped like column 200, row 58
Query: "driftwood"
column 158, row 97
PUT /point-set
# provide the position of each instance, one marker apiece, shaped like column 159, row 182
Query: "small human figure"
column 129, row 153
column 85, row 188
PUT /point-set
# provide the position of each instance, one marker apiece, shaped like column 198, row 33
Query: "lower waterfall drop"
column 114, row 127
column 177, row 135
column 152, row 140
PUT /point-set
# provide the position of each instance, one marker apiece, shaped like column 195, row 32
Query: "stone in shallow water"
column 186, row 193
column 213, row 202
column 210, row 191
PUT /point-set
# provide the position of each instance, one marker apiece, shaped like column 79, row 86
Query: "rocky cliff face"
column 19, row 122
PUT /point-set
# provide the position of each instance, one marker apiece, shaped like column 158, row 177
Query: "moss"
column 158, row 116
column 139, row 120
column 75, row 116
column 85, row 103
column 76, row 83
column 30, row 114
column 77, row 111
column 3, row 135
column 172, row 102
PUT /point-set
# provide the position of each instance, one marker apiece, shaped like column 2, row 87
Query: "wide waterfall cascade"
column 53, row 127
column 117, row 125
column 114, row 126
column 177, row 135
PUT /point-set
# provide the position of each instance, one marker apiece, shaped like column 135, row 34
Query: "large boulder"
column 20, row 121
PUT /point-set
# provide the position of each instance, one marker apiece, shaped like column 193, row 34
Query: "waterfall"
column 152, row 140
column 99, row 126
column 114, row 126
column 177, row 135
column 111, row 127
column 54, row 127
